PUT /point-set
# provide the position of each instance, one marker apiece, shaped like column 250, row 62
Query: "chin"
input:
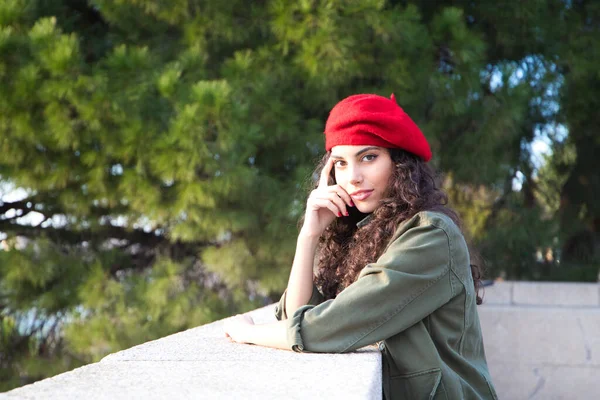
column 366, row 208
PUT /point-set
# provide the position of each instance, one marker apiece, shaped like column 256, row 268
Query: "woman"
column 394, row 267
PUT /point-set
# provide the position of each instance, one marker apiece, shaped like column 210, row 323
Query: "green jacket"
column 417, row 300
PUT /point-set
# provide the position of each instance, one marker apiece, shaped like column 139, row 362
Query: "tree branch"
column 76, row 237
column 17, row 205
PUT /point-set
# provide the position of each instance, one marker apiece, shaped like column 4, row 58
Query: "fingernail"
column 351, row 203
column 339, row 214
column 347, row 214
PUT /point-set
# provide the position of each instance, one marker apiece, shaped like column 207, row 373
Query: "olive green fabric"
column 417, row 300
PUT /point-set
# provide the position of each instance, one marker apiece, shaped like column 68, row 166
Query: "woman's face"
column 364, row 172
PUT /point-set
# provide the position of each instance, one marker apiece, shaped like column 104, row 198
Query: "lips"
column 361, row 194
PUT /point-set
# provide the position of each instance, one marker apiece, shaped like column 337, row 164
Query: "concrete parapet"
column 542, row 341
column 201, row 363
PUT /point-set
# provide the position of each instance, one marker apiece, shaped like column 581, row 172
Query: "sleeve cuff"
column 294, row 336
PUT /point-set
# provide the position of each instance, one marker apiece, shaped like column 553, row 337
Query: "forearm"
column 300, row 283
column 269, row 335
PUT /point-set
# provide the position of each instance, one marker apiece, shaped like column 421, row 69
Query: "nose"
column 354, row 175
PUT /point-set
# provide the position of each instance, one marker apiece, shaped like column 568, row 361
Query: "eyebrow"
column 358, row 153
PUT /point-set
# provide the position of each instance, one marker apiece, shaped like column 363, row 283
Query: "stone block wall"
column 542, row 340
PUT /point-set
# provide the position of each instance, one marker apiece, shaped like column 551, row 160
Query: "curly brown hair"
column 345, row 249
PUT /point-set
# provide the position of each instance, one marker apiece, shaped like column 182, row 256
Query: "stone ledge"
column 554, row 294
column 202, row 363
column 536, row 347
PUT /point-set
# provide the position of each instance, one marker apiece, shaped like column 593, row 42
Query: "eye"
column 370, row 157
column 338, row 163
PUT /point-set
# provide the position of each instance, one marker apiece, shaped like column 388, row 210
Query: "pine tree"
column 165, row 149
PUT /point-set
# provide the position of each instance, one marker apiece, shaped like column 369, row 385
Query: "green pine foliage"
column 163, row 151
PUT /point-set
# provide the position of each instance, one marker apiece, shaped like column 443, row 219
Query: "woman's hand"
column 236, row 328
column 324, row 204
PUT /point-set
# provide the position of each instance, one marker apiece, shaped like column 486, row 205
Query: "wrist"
column 306, row 235
column 249, row 334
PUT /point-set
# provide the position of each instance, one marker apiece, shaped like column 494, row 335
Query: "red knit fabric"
column 369, row 119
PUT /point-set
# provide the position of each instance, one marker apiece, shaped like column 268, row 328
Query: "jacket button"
column 381, row 346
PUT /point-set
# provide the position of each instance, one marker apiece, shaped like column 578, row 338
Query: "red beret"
column 369, row 119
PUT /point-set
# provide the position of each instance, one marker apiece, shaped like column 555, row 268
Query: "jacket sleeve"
column 315, row 299
column 408, row 282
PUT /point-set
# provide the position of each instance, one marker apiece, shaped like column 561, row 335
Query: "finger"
column 335, row 198
column 342, row 194
column 338, row 201
column 328, row 197
column 327, row 203
column 324, row 181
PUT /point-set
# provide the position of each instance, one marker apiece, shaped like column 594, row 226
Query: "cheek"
column 388, row 178
column 384, row 176
column 340, row 179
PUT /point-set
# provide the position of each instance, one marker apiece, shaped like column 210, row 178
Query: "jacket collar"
column 364, row 221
